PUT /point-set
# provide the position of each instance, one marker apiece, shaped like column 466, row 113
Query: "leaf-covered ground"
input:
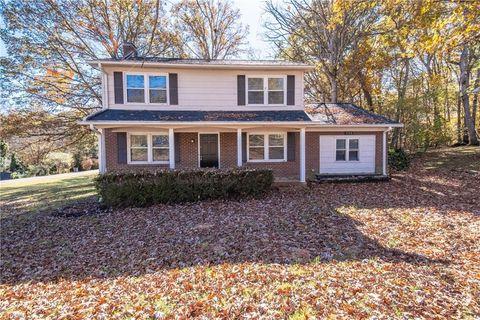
column 401, row 249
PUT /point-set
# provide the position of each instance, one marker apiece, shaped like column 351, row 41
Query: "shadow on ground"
column 287, row 227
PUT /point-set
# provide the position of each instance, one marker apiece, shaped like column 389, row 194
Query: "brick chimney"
column 129, row 50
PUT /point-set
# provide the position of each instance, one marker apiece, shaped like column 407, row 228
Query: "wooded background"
column 417, row 62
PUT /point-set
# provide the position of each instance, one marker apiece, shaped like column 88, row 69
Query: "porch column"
column 302, row 155
column 239, row 147
column 171, row 148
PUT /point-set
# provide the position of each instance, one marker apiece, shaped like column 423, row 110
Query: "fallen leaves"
column 403, row 249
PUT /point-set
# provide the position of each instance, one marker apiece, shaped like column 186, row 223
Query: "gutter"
column 216, row 123
column 201, row 66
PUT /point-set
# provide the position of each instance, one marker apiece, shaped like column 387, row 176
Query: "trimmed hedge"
column 145, row 188
column 398, row 159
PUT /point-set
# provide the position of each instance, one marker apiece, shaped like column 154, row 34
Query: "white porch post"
column 302, row 155
column 385, row 155
column 239, row 147
column 103, row 154
column 171, row 148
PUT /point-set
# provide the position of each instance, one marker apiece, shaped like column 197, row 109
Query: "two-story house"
column 191, row 113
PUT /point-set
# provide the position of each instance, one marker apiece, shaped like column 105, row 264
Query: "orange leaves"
column 155, row 263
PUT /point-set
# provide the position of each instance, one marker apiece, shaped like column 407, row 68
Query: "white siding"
column 328, row 164
column 205, row 89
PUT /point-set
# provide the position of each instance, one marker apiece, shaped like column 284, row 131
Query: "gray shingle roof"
column 216, row 62
column 344, row 114
column 192, row 116
column 323, row 113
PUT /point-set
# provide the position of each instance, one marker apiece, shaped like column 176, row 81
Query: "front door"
column 209, row 150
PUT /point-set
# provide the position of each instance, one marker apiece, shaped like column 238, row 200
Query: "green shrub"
column 145, row 188
column 398, row 159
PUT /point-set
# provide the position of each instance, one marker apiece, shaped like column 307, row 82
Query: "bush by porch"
column 145, row 188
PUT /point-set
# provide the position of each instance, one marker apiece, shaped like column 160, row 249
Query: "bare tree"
column 210, row 29
column 49, row 43
column 324, row 32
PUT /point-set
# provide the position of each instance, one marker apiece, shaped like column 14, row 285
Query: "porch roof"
column 198, row 116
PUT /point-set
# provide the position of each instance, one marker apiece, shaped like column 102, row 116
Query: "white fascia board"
column 311, row 126
column 239, row 66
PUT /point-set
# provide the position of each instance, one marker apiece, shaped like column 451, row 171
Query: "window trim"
column 146, row 82
column 149, row 147
column 266, row 147
column 265, row 90
column 347, row 149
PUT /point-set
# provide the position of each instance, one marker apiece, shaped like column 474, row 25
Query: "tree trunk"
column 464, row 84
column 334, row 89
column 400, row 102
column 459, row 119
column 476, row 89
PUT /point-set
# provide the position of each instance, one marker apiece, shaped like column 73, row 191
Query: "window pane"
column 341, row 144
column 158, row 96
column 135, row 95
column 275, row 83
column 275, row 153
column 255, row 84
column 139, row 154
column 275, row 140
column 275, row 97
column 353, row 143
column 353, row 155
column 160, row 141
column 158, row 82
column 256, row 153
column 340, row 156
column 137, row 140
column 256, row 140
column 160, row 154
column 255, row 97
column 135, row 81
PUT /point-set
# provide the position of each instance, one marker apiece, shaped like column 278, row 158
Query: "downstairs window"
column 346, row 150
column 148, row 148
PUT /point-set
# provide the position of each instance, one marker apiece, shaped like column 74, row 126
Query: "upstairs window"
column 150, row 89
column 158, row 89
column 266, row 90
column 135, row 88
column 347, row 150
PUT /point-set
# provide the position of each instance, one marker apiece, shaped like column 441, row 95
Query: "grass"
column 33, row 195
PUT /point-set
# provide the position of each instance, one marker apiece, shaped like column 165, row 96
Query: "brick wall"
column 228, row 154
column 228, row 150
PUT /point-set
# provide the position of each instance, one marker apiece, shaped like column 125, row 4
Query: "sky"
column 252, row 12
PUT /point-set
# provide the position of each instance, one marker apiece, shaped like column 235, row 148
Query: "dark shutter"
column 173, row 85
column 290, row 90
column 241, row 90
column 176, row 142
column 290, row 146
column 121, row 147
column 118, row 87
column 244, row 147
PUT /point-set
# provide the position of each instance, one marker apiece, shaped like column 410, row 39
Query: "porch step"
column 350, row 178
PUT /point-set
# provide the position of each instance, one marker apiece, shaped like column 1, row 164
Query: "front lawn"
column 400, row 249
column 40, row 193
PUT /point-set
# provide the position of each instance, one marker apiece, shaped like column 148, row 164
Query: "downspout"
column 101, row 148
column 385, row 150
